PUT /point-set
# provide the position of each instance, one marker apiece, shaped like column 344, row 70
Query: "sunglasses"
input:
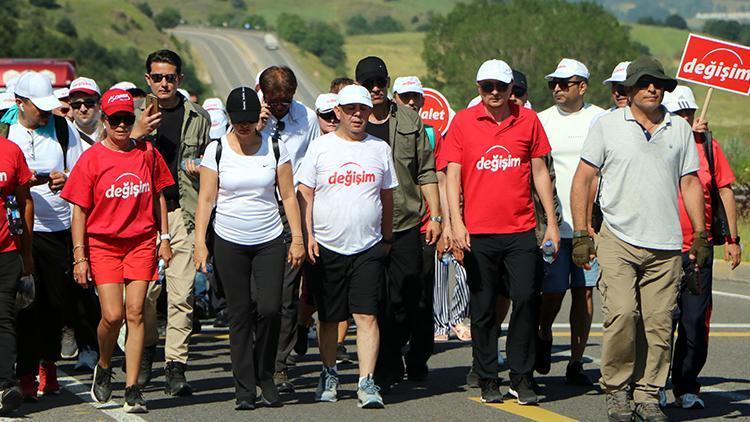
column 75, row 105
column 378, row 81
column 328, row 117
column 563, row 83
column 619, row 89
column 518, row 91
column 157, row 77
column 116, row 119
column 645, row 82
column 489, row 86
column 280, row 103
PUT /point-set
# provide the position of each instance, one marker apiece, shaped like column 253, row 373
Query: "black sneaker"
column 244, row 405
column 134, row 401
column 522, row 389
column 176, row 384
column 147, row 363
column 490, row 390
column 101, row 388
column 543, row 362
column 222, row 320
column 472, row 378
column 300, row 346
column 574, row 375
column 341, row 354
column 269, row 394
column 618, row 407
column 649, row 412
column 10, row 400
column 281, row 379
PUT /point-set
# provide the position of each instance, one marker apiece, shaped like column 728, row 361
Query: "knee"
column 366, row 320
column 112, row 317
column 134, row 313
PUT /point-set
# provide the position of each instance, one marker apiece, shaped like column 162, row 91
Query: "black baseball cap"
column 519, row 79
column 370, row 67
column 243, row 105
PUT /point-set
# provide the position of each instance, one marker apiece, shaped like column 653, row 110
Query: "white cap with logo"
column 354, row 94
column 567, row 68
column 62, row 93
column 495, row 70
column 124, row 85
column 406, row 84
column 681, row 98
column 219, row 118
column 37, row 88
column 619, row 73
column 86, row 85
column 326, row 102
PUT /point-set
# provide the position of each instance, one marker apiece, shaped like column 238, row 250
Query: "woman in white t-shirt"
column 249, row 250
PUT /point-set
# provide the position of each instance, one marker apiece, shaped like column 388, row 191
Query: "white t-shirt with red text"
column 347, row 177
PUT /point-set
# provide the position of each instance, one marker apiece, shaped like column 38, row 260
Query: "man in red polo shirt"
column 492, row 150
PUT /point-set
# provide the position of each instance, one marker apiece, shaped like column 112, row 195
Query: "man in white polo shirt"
column 348, row 245
column 646, row 157
column 567, row 124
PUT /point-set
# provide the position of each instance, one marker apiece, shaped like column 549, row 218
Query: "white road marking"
column 734, row 295
column 82, row 391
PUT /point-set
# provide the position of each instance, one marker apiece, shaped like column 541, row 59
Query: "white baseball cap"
column 37, row 88
column 681, row 98
column 184, row 93
column 326, row 102
column 10, row 84
column 86, row 85
column 124, row 85
column 495, row 70
column 7, row 100
column 568, row 68
column 219, row 123
column 213, row 104
column 354, row 94
column 62, row 93
column 619, row 73
column 405, row 84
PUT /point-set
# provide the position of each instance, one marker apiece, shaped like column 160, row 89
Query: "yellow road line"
column 534, row 413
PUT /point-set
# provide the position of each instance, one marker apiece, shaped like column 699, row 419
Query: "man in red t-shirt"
column 492, row 151
column 14, row 182
column 694, row 302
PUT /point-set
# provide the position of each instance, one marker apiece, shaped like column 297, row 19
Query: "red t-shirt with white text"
column 495, row 163
column 117, row 189
column 13, row 173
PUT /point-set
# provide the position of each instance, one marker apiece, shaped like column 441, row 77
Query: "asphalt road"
column 233, row 58
column 443, row 397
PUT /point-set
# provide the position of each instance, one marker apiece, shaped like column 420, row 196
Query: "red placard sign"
column 436, row 111
column 715, row 63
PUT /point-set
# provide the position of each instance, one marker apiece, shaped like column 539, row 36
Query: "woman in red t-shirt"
column 115, row 188
column 14, row 182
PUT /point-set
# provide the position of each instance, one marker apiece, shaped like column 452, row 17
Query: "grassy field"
column 402, row 52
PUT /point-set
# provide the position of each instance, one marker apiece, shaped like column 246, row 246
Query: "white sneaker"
column 87, row 360
column 690, row 401
column 68, row 347
column 328, row 385
column 663, row 399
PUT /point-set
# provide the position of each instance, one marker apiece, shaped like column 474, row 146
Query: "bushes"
column 66, row 27
column 167, row 18
column 324, row 40
column 672, row 21
column 358, row 24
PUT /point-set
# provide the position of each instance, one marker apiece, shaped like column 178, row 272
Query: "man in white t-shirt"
column 51, row 147
column 567, row 124
column 346, row 182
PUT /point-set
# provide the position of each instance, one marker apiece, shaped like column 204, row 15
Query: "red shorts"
column 118, row 260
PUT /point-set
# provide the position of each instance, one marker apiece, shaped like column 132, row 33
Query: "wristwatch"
column 580, row 233
column 165, row 237
column 436, row 218
column 732, row 240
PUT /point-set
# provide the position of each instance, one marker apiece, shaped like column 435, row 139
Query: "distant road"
column 233, row 58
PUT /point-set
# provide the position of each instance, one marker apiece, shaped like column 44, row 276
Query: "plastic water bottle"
column 196, row 161
column 161, row 273
column 548, row 252
column 446, row 258
column 13, row 212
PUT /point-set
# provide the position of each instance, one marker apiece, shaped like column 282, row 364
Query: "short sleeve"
column 690, row 163
column 539, row 142
column 75, row 148
column 452, row 149
column 390, row 180
column 593, row 147
column 307, row 173
column 23, row 173
column 79, row 188
column 283, row 155
column 209, row 156
column 722, row 170
column 439, row 165
column 162, row 177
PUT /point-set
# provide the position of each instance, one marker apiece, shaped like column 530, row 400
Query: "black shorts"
column 347, row 284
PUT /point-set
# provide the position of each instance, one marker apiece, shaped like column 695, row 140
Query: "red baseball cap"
column 117, row 100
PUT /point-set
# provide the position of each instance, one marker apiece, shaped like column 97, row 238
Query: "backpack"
column 430, row 135
column 61, row 133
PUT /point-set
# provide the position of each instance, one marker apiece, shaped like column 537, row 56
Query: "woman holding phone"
column 118, row 208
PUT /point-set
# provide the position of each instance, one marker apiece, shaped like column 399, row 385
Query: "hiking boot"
column 176, row 384
column 472, row 378
column 101, row 387
column 10, row 400
column 522, row 389
column 649, row 412
column 68, row 346
column 269, row 394
column 543, row 362
column 368, row 394
column 134, row 401
column 490, row 390
column 300, row 346
column 87, row 359
column 281, row 380
column 29, row 387
column 147, row 363
column 690, row 401
column 574, row 375
column 48, row 379
column 328, row 385
column 341, row 355
column 618, row 407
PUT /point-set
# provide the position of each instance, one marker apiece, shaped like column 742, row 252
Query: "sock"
column 364, row 378
column 334, row 368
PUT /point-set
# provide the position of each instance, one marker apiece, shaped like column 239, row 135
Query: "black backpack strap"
column 63, row 137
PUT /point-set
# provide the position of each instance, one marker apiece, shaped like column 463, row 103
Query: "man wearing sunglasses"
column 619, row 97
column 646, row 156
column 181, row 137
column 567, row 124
column 402, row 128
column 84, row 103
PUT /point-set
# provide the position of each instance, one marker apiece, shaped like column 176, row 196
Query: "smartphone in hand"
column 153, row 102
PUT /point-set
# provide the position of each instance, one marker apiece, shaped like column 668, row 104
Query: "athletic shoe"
column 328, row 385
column 68, row 347
column 663, row 399
column 649, row 412
column 87, row 359
column 523, row 391
column 134, row 401
column 147, row 363
column 269, row 394
column 490, row 390
column 29, row 387
column 574, row 375
column 10, row 400
column 48, row 379
column 176, row 384
column 472, row 378
column 341, row 355
column 368, row 394
column 543, row 362
column 300, row 346
column 690, row 401
column 244, row 405
column 101, row 388
column 312, row 335
column 618, row 407
column 281, row 379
